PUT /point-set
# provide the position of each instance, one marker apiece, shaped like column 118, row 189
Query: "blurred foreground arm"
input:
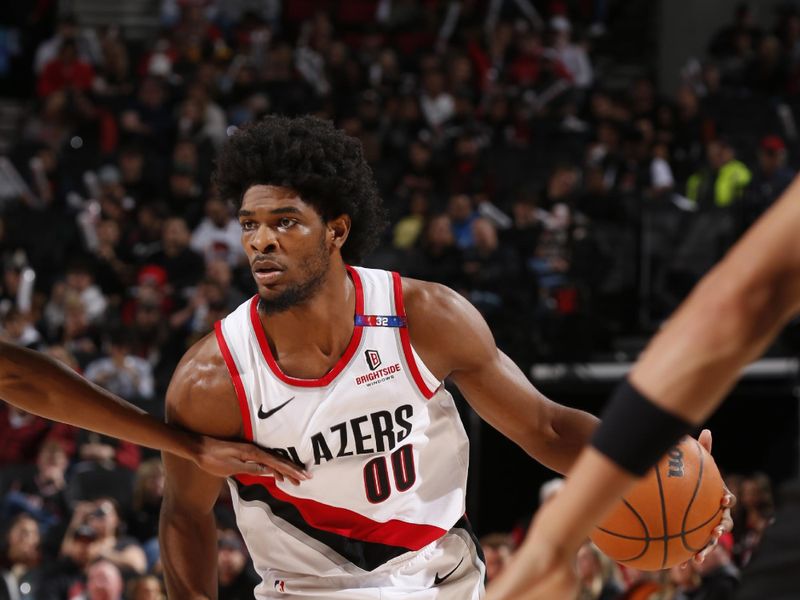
column 40, row 385
column 728, row 320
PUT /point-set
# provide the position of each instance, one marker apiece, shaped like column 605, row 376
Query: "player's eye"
column 286, row 223
column 248, row 225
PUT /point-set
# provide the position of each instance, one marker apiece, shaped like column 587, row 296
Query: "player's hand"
column 728, row 500
column 223, row 459
column 538, row 571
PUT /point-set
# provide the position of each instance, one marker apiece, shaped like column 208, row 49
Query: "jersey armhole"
column 236, row 378
column 419, row 372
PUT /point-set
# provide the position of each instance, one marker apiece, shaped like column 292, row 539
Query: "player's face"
column 285, row 242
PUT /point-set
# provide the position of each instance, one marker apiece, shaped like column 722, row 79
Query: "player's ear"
column 338, row 230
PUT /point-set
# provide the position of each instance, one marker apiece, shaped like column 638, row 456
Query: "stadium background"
column 572, row 167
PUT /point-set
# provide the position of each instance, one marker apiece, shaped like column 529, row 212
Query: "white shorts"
column 451, row 568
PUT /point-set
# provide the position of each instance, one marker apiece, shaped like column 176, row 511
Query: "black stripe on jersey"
column 366, row 555
column 463, row 523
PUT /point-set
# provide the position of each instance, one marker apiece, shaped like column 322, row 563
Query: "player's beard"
column 314, row 271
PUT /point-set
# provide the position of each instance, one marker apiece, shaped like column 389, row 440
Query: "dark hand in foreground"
column 224, row 459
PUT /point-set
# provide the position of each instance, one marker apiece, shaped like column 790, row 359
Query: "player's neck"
column 325, row 321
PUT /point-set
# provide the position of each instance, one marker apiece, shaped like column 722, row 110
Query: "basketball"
column 669, row 515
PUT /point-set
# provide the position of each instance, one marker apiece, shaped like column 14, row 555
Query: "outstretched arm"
column 40, row 385
column 454, row 341
column 727, row 321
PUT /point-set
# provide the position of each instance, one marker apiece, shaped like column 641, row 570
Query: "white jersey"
column 388, row 453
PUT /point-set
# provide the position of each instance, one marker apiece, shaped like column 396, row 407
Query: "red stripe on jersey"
column 406, row 340
column 347, row 523
column 244, row 407
column 355, row 340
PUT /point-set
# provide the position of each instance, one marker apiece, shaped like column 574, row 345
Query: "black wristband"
column 634, row 432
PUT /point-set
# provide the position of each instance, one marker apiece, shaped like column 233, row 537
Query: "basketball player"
column 727, row 321
column 340, row 369
column 42, row 386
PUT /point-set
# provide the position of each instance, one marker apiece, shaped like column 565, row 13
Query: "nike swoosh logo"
column 437, row 580
column 269, row 413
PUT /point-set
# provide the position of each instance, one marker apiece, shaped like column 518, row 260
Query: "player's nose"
column 264, row 240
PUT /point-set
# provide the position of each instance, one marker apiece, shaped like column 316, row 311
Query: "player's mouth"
column 267, row 271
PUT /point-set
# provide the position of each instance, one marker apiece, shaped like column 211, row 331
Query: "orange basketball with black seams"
column 669, row 515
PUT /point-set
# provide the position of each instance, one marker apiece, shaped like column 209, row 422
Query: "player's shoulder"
column 201, row 395
column 203, row 358
column 426, row 299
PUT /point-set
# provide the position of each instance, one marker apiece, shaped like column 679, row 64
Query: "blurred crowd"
column 567, row 211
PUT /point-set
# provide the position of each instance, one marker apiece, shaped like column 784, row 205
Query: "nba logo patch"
column 373, row 359
column 280, row 585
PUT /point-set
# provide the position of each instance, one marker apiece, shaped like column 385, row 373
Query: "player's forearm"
column 40, row 385
column 571, row 430
column 726, row 323
column 188, row 552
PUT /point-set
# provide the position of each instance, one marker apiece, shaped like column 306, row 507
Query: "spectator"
column 40, row 490
column 65, row 577
column 137, row 176
column 218, row 236
column 408, row 229
column 18, row 329
column 66, row 29
column 757, row 512
column 236, row 576
column 219, row 273
column 66, row 72
column 104, row 581
column 462, row 213
column 770, row 179
column 715, row 579
column 769, row 69
column 148, row 120
column 146, row 587
column 497, row 550
column 143, row 519
column 573, row 56
column 20, row 554
column 598, row 575
column 438, row 258
column 489, row 269
column 722, row 182
column 437, row 104
column 122, row 373
column 22, row 434
column 98, row 523
column 78, row 292
column 184, row 195
column 184, row 267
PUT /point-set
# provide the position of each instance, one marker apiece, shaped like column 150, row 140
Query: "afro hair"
column 324, row 165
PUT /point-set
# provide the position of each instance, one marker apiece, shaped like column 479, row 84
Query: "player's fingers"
column 728, row 500
column 718, row 532
column 727, row 522
column 705, row 439
column 278, row 464
column 254, row 468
